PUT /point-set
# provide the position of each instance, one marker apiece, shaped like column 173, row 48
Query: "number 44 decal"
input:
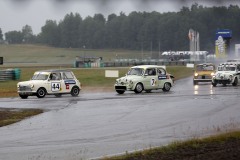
column 55, row 87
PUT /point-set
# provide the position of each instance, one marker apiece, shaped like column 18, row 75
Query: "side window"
column 151, row 71
column 67, row 75
column 55, row 76
column 161, row 71
column 238, row 67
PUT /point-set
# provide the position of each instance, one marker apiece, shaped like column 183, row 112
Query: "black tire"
column 195, row 82
column 235, row 82
column 41, row 92
column 120, row 91
column 214, row 84
column 138, row 88
column 58, row 95
column 23, row 96
column 75, row 91
column 166, row 87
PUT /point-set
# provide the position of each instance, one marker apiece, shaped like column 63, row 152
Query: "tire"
column 41, row 92
column 120, row 91
column 23, row 96
column 195, row 82
column 166, row 87
column 58, row 95
column 214, row 84
column 75, row 91
column 138, row 88
column 235, row 82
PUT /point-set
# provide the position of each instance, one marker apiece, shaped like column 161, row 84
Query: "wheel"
column 166, row 87
column 148, row 91
column 235, row 82
column 195, row 82
column 75, row 91
column 120, row 91
column 214, row 84
column 138, row 88
column 23, row 96
column 41, row 92
column 58, row 95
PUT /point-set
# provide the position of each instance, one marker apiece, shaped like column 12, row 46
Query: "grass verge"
column 10, row 116
column 219, row 147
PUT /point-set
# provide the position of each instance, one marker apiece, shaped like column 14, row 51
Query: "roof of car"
column 148, row 66
column 55, row 70
column 206, row 64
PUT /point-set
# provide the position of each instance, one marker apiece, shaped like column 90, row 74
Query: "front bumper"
column 26, row 90
column 203, row 78
column 222, row 81
column 123, row 87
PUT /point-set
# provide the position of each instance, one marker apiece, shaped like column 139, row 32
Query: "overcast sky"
column 14, row 14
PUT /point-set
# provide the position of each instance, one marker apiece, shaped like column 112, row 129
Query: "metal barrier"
column 10, row 74
column 127, row 64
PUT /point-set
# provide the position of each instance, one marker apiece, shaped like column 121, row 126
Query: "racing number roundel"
column 55, row 86
column 153, row 82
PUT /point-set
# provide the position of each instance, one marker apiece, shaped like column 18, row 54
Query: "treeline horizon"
column 137, row 31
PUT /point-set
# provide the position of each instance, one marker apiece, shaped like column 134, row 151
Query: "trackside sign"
column 111, row 73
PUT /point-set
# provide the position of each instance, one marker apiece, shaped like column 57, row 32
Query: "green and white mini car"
column 56, row 82
column 145, row 77
column 227, row 73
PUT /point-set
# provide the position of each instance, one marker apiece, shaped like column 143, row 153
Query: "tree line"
column 136, row 31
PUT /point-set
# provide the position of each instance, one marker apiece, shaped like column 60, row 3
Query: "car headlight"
column 212, row 74
column 196, row 74
column 32, row 86
column 230, row 77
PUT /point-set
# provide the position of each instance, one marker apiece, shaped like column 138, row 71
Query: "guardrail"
column 166, row 63
column 10, row 74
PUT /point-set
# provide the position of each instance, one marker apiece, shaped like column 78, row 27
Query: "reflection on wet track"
column 100, row 124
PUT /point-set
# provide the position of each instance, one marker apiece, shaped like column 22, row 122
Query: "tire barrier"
column 10, row 74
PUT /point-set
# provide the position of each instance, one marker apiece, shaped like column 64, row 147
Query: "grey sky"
column 14, row 14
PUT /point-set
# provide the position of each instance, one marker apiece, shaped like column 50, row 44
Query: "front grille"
column 25, row 88
column 206, row 77
column 120, row 87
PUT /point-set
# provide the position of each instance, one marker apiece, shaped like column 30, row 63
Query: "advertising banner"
column 222, row 43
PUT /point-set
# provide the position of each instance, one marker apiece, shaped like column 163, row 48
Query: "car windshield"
column 40, row 76
column 205, row 68
column 226, row 68
column 135, row 71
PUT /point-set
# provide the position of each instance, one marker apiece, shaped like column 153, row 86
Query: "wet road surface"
column 101, row 124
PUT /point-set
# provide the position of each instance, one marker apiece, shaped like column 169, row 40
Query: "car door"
column 55, row 85
column 150, row 79
column 161, row 74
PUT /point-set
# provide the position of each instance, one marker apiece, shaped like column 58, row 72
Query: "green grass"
column 50, row 55
column 217, row 147
column 10, row 116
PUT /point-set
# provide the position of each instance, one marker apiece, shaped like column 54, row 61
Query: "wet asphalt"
column 95, row 125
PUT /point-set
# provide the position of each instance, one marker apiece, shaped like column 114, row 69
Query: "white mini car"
column 145, row 77
column 227, row 73
column 56, row 82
